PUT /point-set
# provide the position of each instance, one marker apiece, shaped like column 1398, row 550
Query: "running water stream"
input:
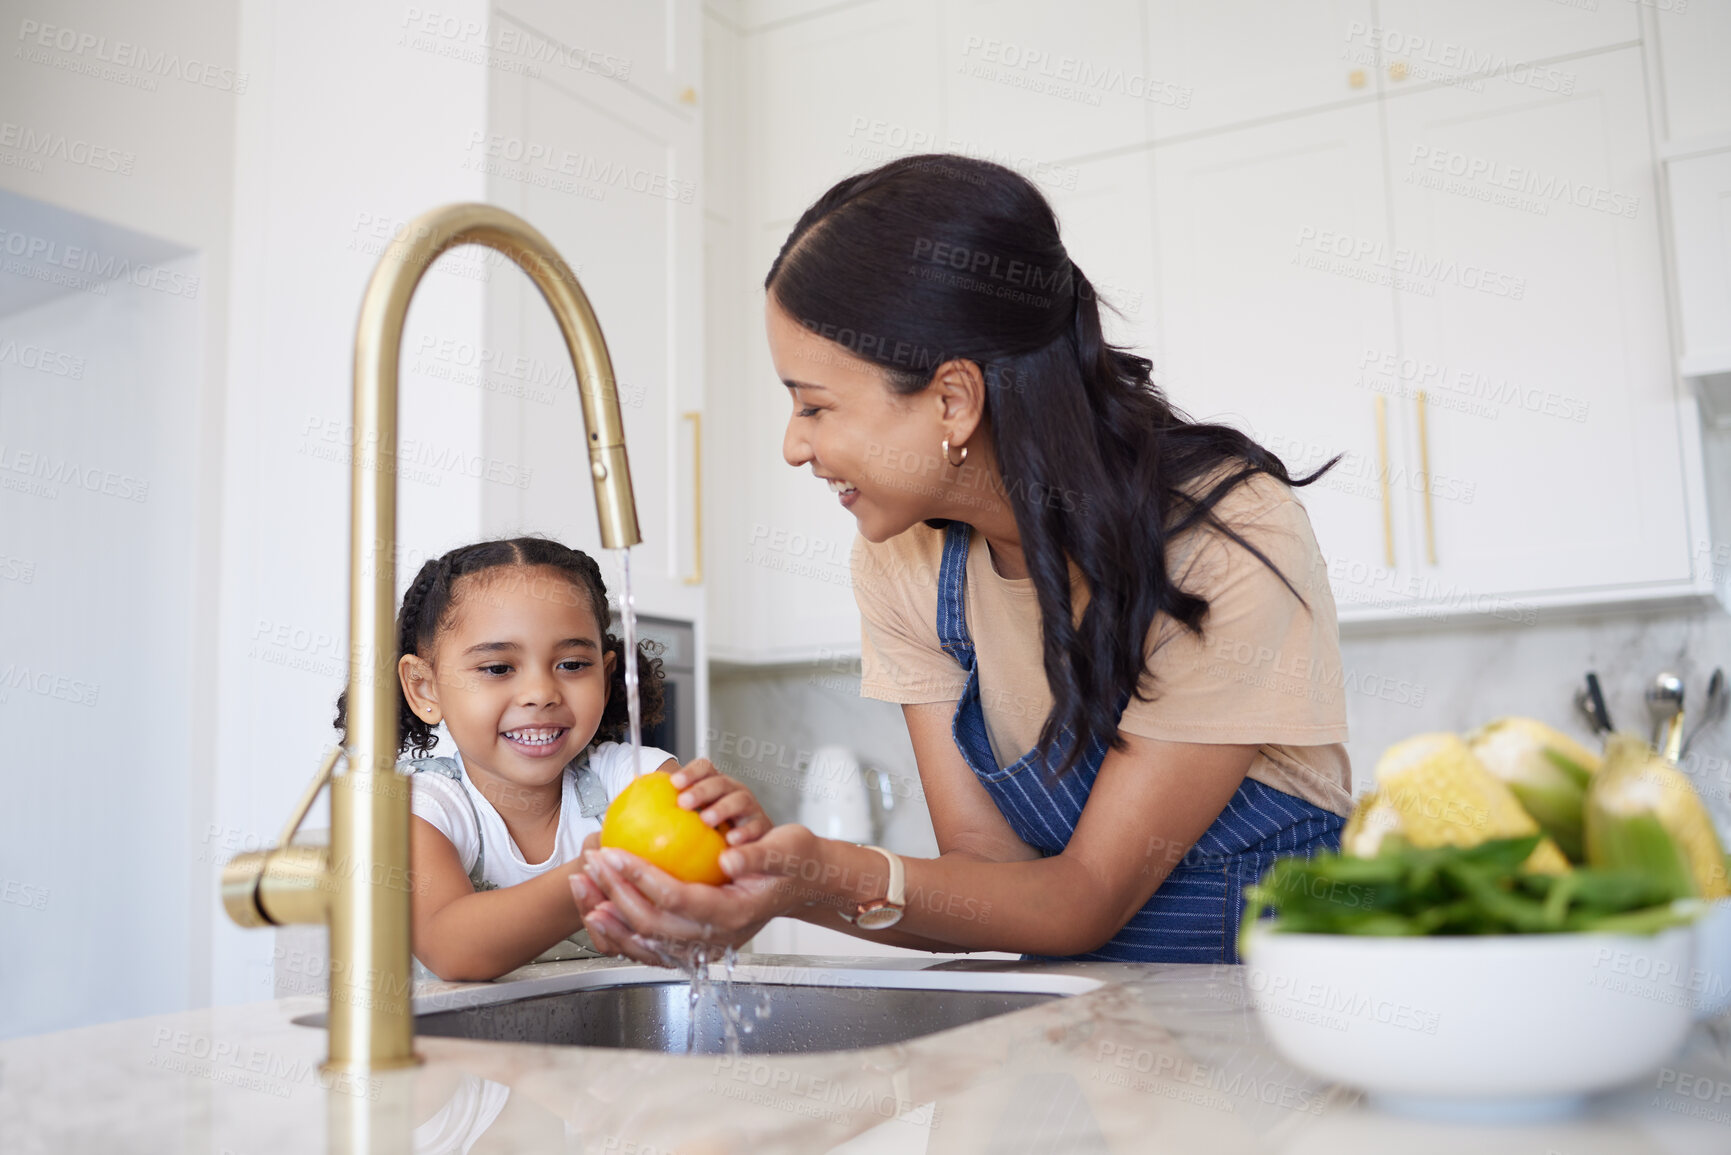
column 690, row 959
column 628, row 625
column 693, row 961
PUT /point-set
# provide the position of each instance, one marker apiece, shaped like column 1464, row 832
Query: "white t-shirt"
column 440, row 801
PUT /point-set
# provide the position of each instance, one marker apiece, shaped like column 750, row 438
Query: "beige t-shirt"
column 1266, row 669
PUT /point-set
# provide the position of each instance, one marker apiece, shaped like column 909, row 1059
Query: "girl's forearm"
column 959, row 902
column 482, row 935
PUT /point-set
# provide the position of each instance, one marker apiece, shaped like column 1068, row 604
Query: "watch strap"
column 898, row 876
column 897, row 890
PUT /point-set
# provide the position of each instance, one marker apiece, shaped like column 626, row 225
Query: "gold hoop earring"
column 955, row 464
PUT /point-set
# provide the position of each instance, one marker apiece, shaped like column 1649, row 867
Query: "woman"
column 1108, row 626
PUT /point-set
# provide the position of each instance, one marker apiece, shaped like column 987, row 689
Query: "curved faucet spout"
column 362, row 886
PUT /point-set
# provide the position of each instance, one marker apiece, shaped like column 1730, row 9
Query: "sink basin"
column 787, row 1010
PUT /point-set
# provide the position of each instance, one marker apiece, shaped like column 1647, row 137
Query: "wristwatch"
column 882, row 913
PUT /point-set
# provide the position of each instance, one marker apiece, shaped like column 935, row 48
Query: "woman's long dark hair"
column 430, row 600
column 933, row 258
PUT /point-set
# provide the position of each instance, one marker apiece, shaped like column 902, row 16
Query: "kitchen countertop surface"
column 1162, row 1058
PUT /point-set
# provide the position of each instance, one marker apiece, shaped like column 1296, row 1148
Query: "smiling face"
column 878, row 450
column 517, row 674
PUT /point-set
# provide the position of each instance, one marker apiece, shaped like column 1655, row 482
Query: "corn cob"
column 1548, row 772
column 1433, row 791
column 1642, row 813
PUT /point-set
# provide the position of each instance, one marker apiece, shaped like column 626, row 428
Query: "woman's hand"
column 634, row 909
column 722, row 802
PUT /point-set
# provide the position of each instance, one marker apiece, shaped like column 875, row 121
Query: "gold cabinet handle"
column 696, row 575
column 1424, row 470
column 1382, row 478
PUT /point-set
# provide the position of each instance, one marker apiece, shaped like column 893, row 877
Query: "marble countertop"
column 1160, row 1058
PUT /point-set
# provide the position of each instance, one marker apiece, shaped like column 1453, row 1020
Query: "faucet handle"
column 309, row 795
column 285, row 884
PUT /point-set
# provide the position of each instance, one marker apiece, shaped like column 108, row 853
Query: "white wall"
column 104, row 800
column 98, row 464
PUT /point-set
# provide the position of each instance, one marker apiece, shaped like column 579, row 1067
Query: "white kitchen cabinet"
column 1026, row 79
column 1533, row 321
column 609, row 171
column 1692, row 39
column 649, row 50
column 1231, row 62
column 842, row 91
column 1423, row 42
column 1273, row 275
column 1530, row 229
column 1701, row 227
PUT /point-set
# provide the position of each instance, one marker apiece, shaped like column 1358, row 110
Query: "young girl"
column 503, row 642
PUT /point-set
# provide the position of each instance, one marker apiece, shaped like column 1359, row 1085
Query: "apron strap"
column 448, row 767
column 592, row 797
column 952, row 595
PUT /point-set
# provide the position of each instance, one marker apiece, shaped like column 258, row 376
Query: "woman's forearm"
column 482, row 935
column 958, row 902
column 826, row 916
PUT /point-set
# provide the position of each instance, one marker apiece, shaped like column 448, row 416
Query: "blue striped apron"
column 1193, row 917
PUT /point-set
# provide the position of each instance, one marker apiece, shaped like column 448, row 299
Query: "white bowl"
column 1711, row 982
column 1491, row 1028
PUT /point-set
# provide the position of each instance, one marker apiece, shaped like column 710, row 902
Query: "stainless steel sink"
column 772, row 1009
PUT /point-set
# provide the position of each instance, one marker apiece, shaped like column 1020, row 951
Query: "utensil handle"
column 1673, row 747
column 1711, row 712
column 1597, row 696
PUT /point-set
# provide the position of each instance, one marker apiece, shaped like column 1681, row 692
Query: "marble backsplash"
column 767, row 721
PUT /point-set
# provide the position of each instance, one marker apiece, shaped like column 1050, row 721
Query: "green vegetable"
column 1454, row 890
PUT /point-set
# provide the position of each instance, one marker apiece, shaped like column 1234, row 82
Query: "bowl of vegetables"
column 1452, row 962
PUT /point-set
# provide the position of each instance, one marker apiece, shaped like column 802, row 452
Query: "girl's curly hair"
column 430, row 601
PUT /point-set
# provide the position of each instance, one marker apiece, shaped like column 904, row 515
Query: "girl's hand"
column 722, row 802
column 634, row 909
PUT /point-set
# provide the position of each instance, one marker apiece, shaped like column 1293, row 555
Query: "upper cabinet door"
column 1426, row 42
column 1528, row 224
column 654, row 51
column 1237, row 61
column 838, row 93
column 1026, row 81
column 1701, row 231
column 1694, row 48
column 1274, row 294
column 612, row 181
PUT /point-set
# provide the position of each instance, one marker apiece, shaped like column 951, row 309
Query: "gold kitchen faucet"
column 361, row 884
